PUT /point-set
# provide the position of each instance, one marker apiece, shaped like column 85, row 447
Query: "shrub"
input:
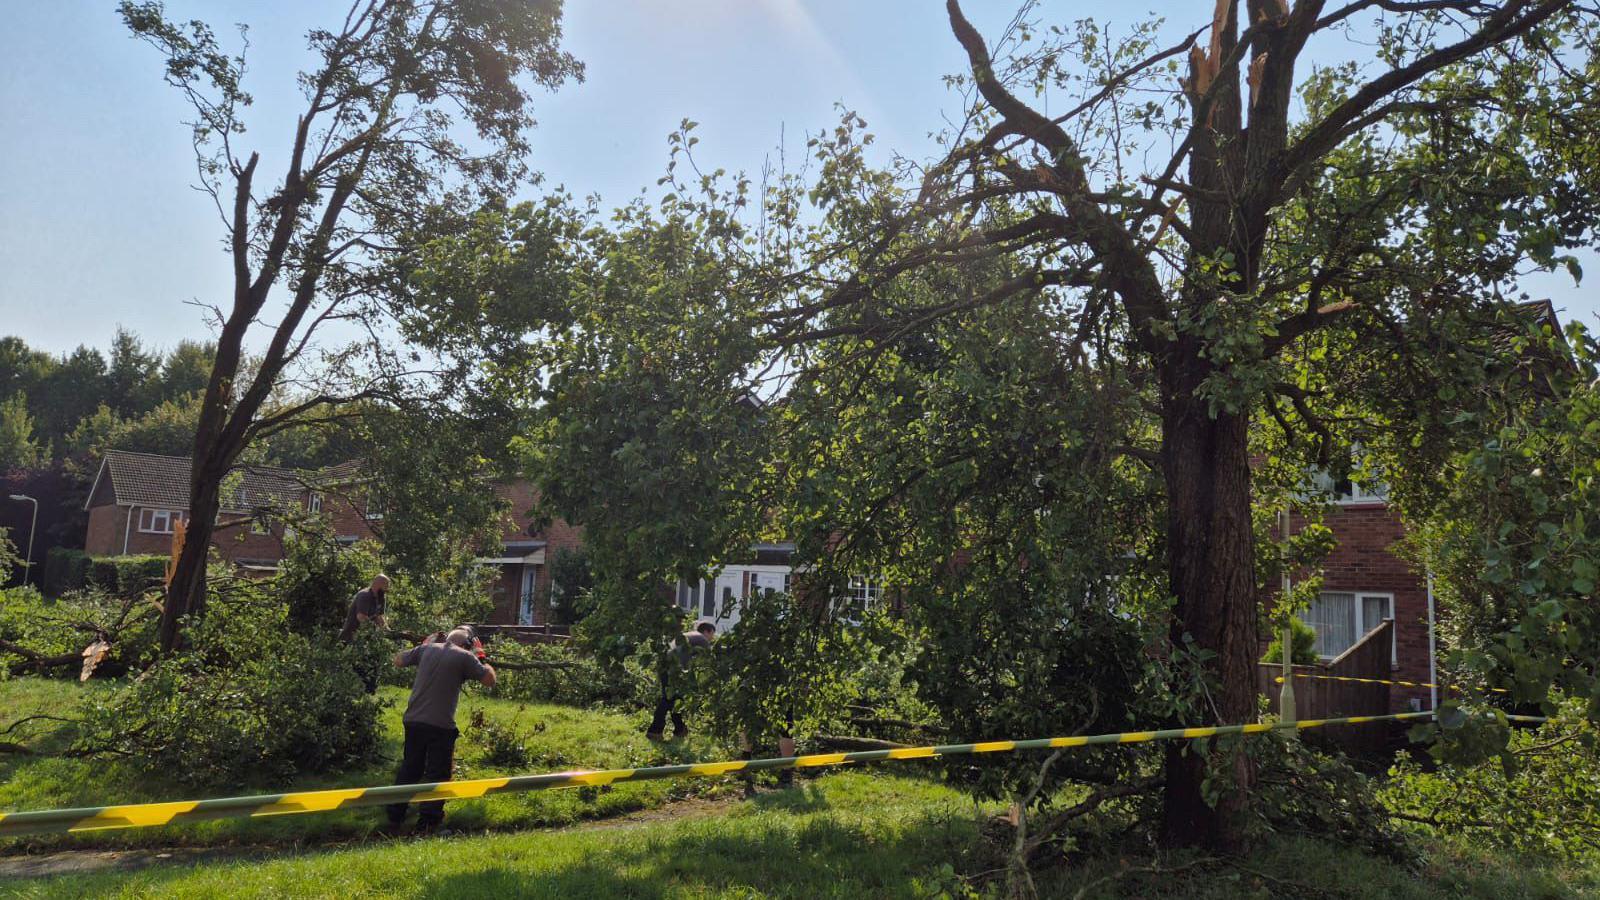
column 1543, row 798
column 252, row 702
column 126, row 574
column 422, row 602
column 505, row 746
column 785, row 670
column 571, row 583
column 318, row 577
column 1305, row 645
column 65, row 570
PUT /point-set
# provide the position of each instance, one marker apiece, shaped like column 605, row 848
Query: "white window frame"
column 1362, row 494
column 314, row 503
column 261, row 524
column 1358, row 495
column 862, row 594
column 374, row 501
column 1363, row 626
column 168, row 518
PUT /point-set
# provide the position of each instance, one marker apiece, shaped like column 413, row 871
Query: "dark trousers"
column 429, row 753
column 367, row 671
column 667, row 705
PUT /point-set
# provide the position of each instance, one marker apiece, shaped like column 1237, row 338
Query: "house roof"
column 146, row 479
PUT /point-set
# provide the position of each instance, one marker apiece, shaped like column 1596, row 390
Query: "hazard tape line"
column 143, row 815
column 1420, row 684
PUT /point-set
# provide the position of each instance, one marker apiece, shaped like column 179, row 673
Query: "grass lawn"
column 850, row 834
column 561, row 738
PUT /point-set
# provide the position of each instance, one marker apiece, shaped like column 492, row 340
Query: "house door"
column 728, row 599
column 530, row 585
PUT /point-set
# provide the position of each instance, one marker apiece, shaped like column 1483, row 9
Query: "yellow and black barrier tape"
column 1416, row 684
column 142, row 815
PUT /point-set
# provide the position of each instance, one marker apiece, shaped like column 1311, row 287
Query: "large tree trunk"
column 214, row 456
column 186, row 595
column 1206, row 466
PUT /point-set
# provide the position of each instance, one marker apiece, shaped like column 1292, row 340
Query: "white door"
column 530, row 581
column 738, row 582
column 729, row 598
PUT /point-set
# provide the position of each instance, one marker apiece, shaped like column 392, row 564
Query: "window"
column 861, row 595
column 690, row 595
column 375, row 507
column 160, row 521
column 1348, row 491
column 698, row 598
column 314, row 503
column 1341, row 618
column 260, row 523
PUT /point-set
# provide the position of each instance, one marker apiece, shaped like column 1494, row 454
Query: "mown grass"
column 850, row 834
column 558, row 738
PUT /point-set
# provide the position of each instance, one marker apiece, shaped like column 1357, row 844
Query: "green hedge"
column 64, row 570
column 72, row 570
column 127, row 574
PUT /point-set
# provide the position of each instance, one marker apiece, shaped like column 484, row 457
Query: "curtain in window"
column 1373, row 611
column 1333, row 615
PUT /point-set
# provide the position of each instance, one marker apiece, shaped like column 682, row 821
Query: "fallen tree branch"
column 1433, row 822
column 533, row 664
column 1144, row 870
column 1088, row 805
column 871, row 722
column 36, row 661
column 850, row 742
column 25, row 719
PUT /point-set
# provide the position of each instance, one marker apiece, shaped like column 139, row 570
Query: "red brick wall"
column 1362, row 561
column 239, row 543
column 104, row 535
column 346, row 511
column 520, row 496
column 140, row 542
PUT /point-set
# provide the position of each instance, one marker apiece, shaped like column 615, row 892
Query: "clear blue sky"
column 98, row 225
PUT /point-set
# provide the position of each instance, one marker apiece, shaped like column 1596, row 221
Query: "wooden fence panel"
column 1321, row 698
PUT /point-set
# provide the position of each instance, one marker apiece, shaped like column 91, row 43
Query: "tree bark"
column 186, row 595
column 1211, row 565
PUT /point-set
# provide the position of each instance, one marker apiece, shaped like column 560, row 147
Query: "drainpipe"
column 1286, row 710
column 127, row 524
column 1433, row 654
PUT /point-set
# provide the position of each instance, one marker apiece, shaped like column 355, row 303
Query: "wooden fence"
column 1315, row 698
column 527, row 634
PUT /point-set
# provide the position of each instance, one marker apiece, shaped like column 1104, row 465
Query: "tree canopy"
column 1081, row 344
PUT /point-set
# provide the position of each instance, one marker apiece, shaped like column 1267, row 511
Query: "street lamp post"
column 33, row 526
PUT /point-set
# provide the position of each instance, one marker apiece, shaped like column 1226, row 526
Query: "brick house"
column 137, row 499
column 521, row 589
column 1364, row 583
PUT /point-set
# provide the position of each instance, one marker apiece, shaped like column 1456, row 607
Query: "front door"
column 530, row 585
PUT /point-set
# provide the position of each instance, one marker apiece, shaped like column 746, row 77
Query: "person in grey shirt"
column 444, row 663
column 366, row 608
column 674, row 672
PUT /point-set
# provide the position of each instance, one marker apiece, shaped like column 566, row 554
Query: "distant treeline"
column 59, row 412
